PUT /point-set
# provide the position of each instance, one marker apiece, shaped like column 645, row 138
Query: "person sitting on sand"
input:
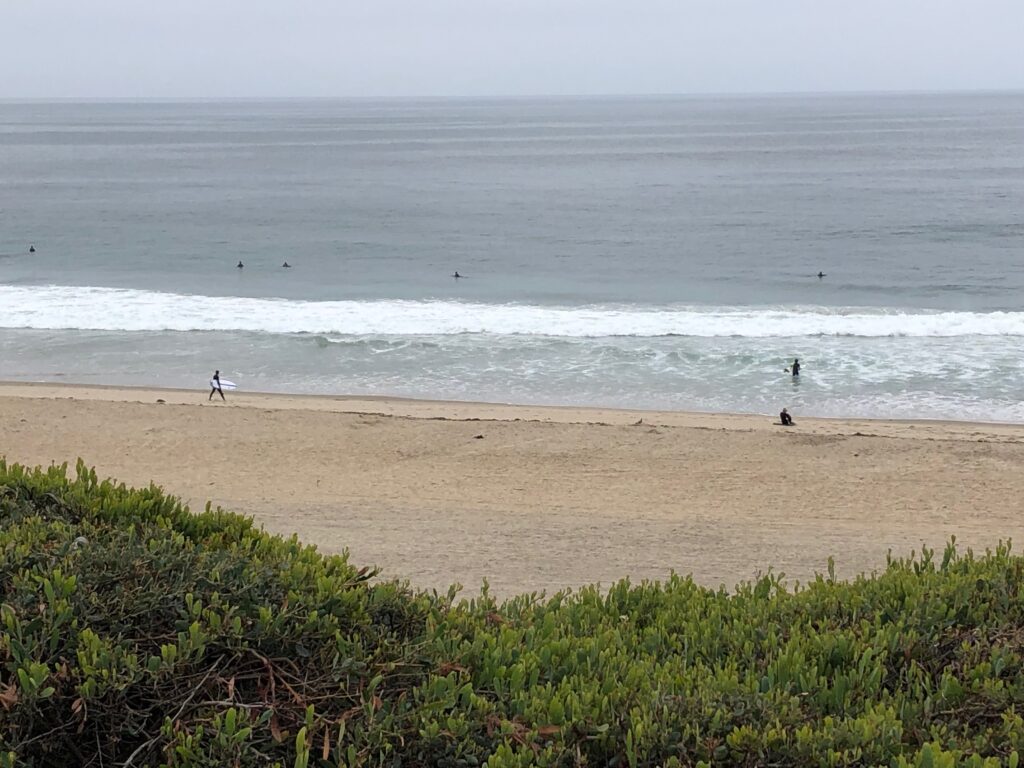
column 215, row 386
column 785, row 418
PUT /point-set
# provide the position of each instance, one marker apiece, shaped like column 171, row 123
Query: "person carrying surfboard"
column 215, row 386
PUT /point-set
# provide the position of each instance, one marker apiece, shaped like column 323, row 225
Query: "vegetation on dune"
column 135, row 633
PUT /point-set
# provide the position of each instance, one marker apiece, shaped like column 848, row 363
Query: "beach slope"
column 535, row 498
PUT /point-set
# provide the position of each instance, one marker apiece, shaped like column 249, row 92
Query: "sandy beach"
column 539, row 498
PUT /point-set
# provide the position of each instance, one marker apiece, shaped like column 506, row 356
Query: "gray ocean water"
column 639, row 252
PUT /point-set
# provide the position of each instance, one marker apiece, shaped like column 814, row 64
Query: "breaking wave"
column 115, row 309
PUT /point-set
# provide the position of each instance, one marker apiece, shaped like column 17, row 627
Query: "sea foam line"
column 115, row 309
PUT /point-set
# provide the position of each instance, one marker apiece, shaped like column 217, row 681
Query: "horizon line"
column 525, row 96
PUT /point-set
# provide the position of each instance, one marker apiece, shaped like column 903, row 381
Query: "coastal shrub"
column 134, row 632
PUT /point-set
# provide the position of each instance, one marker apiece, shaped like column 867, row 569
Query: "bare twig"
column 147, row 744
column 235, row 704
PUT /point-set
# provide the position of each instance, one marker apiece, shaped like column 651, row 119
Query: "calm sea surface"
column 647, row 252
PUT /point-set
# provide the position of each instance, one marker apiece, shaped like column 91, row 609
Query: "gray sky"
column 182, row 48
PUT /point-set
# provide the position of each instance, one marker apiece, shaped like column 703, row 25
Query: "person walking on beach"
column 215, row 386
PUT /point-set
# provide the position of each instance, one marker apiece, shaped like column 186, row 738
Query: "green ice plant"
column 136, row 632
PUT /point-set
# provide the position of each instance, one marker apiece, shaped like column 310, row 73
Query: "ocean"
column 630, row 252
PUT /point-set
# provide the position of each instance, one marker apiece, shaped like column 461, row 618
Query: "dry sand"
column 535, row 498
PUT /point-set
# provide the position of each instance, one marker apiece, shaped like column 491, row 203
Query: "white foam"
column 112, row 309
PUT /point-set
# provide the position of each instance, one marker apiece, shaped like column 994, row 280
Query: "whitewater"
column 55, row 307
column 857, row 361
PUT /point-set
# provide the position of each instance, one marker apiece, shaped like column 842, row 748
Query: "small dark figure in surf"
column 796, row 367
column 215, row 386
column 286, row 265
column 31, row 249
column 821, row 275
column 241, row 265
column 456, row 275
column 785, row 418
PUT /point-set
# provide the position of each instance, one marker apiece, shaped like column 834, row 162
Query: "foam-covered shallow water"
column 644, row 253
column 939, row 377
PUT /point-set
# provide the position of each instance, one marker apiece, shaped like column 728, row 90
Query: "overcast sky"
column 240, row 48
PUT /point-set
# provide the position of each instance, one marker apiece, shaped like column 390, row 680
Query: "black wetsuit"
column 786, row 419
column 215, row 387
column 796, row 368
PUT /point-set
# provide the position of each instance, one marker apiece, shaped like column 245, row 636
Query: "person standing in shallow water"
column 796, row 367
column 215, row 387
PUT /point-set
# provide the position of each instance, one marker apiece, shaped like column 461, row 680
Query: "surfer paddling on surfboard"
column 215, row 386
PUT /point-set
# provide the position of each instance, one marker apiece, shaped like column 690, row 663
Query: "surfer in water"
column 286, row 265
column 457, row 275
column 240, row 264
column 31, row 249
column 821, row 275
column 795, row 368
column 215, row 386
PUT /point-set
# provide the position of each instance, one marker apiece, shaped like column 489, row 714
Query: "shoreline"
column 473, row 410
column 541, row 498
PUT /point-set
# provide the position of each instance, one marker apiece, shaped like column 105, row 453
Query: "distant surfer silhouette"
column 795, row 368
column 241, row 265
column 31, row 249
column 821, row 275
column 215, row 387
column 286, row 265
column 457, row 276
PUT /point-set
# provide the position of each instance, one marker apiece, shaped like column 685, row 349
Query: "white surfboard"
column 224, row 384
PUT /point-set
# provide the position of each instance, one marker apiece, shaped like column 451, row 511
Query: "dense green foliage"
column 135, row 633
